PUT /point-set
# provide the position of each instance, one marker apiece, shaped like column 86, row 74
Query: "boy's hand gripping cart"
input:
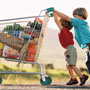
column 44, row 79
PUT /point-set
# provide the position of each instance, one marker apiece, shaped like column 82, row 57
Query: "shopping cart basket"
column 16, row 41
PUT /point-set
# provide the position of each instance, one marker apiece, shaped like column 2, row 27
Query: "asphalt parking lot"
column 56, row 86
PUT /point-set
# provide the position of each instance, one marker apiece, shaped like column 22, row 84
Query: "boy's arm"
column 61, row 15
column 57, row 21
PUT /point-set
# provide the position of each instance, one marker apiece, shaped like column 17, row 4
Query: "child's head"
column 66, row 24
column 82, row 12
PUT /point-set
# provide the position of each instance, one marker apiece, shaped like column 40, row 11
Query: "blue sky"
column 24, row 8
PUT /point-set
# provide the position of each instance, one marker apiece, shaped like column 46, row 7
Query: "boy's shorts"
column 71, row 55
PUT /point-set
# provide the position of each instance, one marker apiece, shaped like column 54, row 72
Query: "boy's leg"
column 88, row 59
column 77, row 71
column 83, row 78
column 72, row 80
column 71, row 58
column 70, row 71
column 69, row 53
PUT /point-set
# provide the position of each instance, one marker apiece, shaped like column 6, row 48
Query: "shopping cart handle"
column 51, row 14
column 50, row 9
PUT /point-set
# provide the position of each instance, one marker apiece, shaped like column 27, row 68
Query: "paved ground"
column 57, row 86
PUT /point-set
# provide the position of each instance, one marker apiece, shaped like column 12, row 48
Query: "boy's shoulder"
column 78, row 21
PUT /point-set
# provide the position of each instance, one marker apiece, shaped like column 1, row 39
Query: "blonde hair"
column 81, row 12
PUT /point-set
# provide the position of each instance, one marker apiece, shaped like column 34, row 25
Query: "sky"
column 23, row 8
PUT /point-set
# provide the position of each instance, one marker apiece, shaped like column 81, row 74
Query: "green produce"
column 10, row 28
column 35, row 25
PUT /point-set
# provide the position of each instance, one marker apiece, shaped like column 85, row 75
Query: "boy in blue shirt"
column 82, row 33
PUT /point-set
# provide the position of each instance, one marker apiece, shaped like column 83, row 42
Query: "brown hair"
column 66, row 24
column 81, row 12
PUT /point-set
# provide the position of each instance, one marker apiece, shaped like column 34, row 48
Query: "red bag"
column 31, row 53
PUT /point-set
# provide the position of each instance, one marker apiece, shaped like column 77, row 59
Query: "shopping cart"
column 33, row 29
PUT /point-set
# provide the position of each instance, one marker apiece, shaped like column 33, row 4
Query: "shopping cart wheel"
column 0, row 80
column 47, row 81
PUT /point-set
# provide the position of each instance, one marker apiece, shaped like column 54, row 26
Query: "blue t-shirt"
column 82, row 32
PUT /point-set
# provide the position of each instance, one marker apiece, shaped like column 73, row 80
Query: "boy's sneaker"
column 72, row 81
column 83, row 79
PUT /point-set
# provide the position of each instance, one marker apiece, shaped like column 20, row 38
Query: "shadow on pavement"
column 69, row 87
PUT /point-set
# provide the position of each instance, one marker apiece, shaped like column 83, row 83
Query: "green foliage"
column 57, row 75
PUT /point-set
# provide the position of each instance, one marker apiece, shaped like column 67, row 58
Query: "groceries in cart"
column 19, row 42
column 1, row 48
column 22, row 44
column 10, row 52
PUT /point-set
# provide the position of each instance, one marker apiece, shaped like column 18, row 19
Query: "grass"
column 57, row 75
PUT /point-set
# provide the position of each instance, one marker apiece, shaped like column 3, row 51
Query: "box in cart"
column 31, row 53
column 1, row 48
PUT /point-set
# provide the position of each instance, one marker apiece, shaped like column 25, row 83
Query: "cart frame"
column 44, row 79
